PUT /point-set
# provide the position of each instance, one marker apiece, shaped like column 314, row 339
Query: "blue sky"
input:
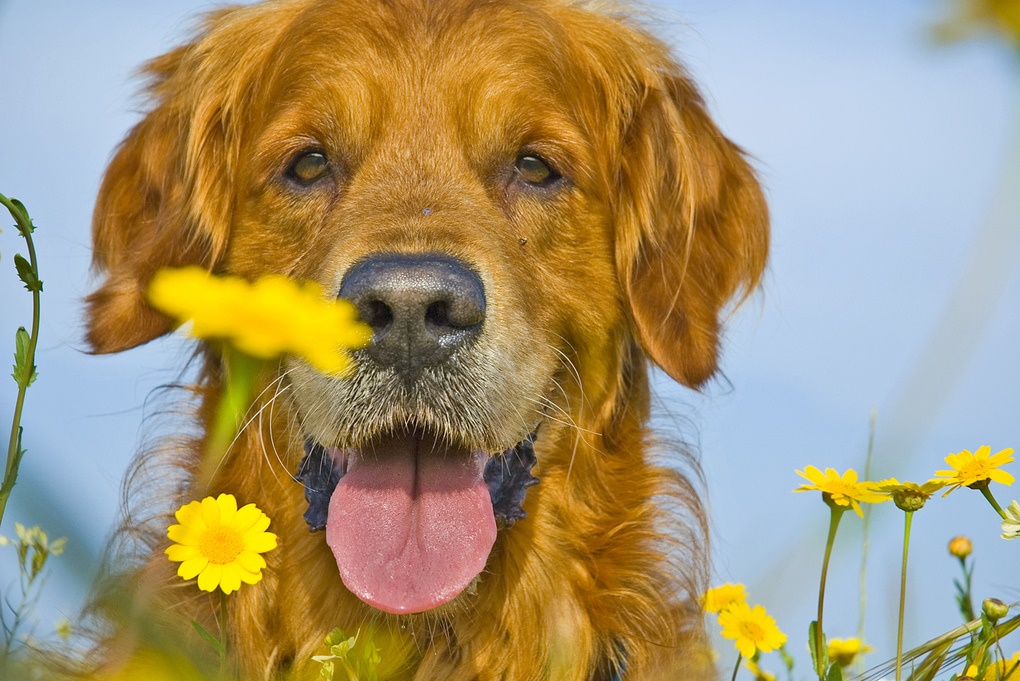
column 883, row 157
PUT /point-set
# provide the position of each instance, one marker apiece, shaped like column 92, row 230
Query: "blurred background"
column 892, row 168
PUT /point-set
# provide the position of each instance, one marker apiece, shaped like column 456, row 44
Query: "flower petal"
column 231, row 579
column 185, row 534
column 210, row 577
column 999, row 475
column 190, row 569
column 211, row 512
column 250, row 561
column 260, row 543
column 228, row 507
column 178, row 553
column 250, row 577
column 247, row 516
column 190, row 515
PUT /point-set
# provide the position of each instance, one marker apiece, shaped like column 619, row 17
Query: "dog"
column 529, row 203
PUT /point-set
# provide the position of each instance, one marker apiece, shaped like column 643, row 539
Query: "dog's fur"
column 658, row 223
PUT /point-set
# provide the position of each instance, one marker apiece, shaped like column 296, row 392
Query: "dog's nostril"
column 438, row 315
column 377, row 314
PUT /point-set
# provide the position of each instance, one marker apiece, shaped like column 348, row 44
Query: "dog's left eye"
column 535, row 170
column 309, row 167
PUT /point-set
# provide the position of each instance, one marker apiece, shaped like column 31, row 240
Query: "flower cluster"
column 975, row 470
column 267, row 318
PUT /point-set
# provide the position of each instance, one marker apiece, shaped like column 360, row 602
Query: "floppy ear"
column 692, row 230
column 166, row 198
column 155, row 209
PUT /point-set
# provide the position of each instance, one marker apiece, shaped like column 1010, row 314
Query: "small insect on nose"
column 422, row 307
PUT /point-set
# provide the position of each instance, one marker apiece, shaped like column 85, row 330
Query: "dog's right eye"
column 308, row 168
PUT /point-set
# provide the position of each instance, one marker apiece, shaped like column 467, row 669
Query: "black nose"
column 422, row 307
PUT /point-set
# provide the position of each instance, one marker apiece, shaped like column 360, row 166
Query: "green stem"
column 14, row 450
column 966, row 599
column 862, row 575
column 239, row 371
column 224, row 636
column 835, row 514
column 903, row 594
column 991, row 499
column 736, row 667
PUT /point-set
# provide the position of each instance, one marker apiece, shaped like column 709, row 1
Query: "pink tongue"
column 410, row 530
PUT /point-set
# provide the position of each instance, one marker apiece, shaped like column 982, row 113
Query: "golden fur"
column 659, row 223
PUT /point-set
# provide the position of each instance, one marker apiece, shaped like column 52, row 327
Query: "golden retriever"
column 528, row 202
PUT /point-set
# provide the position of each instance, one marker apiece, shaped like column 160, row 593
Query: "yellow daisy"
column 841, row 490
column 264, row 319
column 722, row 597
column 909, row 496
column 975, row 470
column 1003, row 669
column 845, row 650
column 220, row 543
column 751, row 628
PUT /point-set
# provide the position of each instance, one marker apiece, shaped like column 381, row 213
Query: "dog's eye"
column 536, row 170
column 308, row 167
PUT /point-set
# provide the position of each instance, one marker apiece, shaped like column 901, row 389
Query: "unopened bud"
column 960, row 547
column 909, row 500
column 994, row 609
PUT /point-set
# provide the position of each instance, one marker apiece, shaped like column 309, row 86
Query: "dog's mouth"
column 411, row 518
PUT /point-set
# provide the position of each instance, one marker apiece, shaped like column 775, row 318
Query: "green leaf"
column 26, row 273
column 787, row 658
column 24, row 375
column 813, row 635
column 835, row 673
column 335, row 636
column 209, row 638
column 23, row 218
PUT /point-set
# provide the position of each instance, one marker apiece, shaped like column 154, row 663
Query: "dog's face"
column 521, row 198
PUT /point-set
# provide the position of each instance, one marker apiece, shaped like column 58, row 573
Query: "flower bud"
column 994, row 609
column 909, row 500
column 960, row 547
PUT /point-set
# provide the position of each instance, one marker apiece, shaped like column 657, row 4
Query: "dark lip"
column 507, row 474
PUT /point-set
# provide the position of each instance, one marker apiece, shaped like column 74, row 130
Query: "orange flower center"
column 752, row 631
column 221, row 545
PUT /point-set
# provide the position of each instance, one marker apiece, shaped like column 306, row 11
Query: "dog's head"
column 522, row 198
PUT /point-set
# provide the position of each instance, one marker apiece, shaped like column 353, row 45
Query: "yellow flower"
column 219, row 543
column 845, row 650
column 272, row 316
column 974, row 470
column 722, row 597
column 909, row 496
column 974, row 17
column 841, row 490
column 751, row 628
column 1003, row 670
